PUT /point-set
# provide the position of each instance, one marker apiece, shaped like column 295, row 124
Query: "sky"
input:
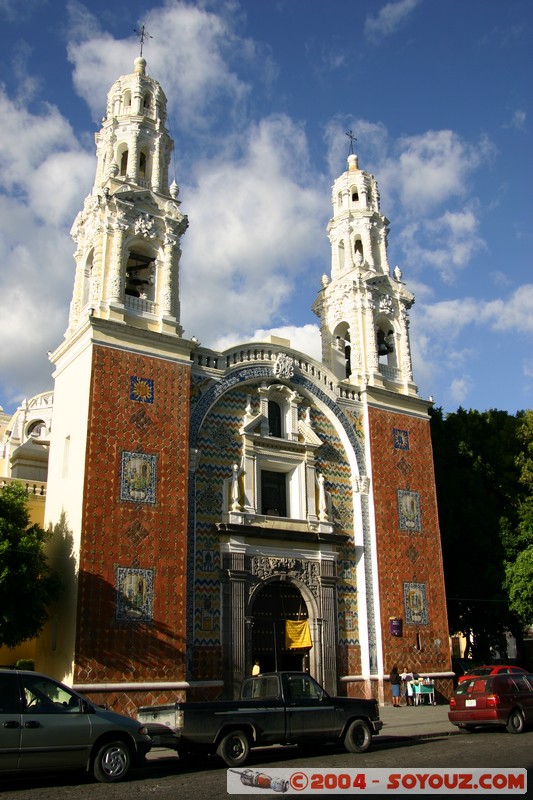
column 260, row 96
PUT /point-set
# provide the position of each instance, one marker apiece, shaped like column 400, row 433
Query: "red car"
column 491, row 669
column 502, row 699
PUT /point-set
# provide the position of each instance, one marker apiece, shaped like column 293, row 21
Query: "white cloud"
column 389, row 19
column 257, row 221
column 460, row 388
column 517, row 121
column 192, row 60
column 432, row 168
column 514, row 314
column 304, row 338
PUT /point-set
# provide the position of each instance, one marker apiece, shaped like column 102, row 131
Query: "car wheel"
column 358, row 737
column 112, row 762
column 234, row 748
column 515, row 723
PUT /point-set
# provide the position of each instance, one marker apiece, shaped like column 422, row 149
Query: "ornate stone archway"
column 244, row 577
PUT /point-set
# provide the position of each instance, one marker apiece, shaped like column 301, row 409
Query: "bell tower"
column 363, row 309
column 128, row 233
column 118, row 465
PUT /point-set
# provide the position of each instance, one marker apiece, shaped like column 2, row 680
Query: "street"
column 165, row 777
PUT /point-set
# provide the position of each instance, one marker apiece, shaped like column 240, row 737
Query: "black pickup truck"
column 275, row 708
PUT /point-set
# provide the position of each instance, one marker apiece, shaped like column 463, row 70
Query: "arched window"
column 87, row 275
column 274, row 419
column 126, row 102
column 342, row 260
column 147, row 102
column 124, row 163
column 142, row 166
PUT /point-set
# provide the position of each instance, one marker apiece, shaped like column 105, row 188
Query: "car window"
column 263, row 687
column 479, row 671
column 519, row 683
column 9, row 694
column 302, row 687
column 44, row 696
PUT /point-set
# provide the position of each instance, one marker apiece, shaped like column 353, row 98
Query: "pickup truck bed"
column 275, row 708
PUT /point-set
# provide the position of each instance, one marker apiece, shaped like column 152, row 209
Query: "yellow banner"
column 297, row 634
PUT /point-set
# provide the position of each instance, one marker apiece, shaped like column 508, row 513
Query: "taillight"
column 492, row 700
column 452, row 702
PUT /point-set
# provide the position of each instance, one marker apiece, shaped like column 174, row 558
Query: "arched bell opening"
column 385, row 343
column 280, row 630
column 140, row 275
column 343, row 345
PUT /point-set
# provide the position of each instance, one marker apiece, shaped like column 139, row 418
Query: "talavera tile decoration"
column 135, row 594
column 401, row 439
column 138, row 476
column 415, row 604
column 141, row 389
column 409, row 510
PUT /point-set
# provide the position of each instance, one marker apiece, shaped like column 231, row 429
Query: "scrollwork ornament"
column 283, row 366
column 145, row 226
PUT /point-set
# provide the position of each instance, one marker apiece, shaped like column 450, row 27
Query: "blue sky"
column 261, row 94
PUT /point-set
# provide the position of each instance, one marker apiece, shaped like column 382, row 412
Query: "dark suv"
column 493, row 700
column 44, row 725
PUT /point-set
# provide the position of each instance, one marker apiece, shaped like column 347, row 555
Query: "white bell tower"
column 363, row 309
column 128, row 233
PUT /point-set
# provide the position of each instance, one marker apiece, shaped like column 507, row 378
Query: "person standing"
column 396, row 685
column 407, row 678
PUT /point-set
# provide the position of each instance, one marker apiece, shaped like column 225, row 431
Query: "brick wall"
column 131, row 602
column 408, row 544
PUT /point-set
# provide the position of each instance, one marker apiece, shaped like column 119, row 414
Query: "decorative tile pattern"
column 138, row 477
column 404, row 466
column 141, row 389
column 401, row 439
column 409, row 510
column 136, row 532
column 415, row 604
column 141, row 420
column 134, row 594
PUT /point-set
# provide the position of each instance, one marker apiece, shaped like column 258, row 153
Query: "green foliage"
column 25, row 663
column 27, row 583
column 520, row 584
column 479, row 497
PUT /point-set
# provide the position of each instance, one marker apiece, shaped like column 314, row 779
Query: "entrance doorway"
column 275, row 603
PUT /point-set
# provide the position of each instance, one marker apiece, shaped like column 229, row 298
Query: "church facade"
column 226, row 509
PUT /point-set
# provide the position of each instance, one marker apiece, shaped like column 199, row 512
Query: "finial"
column 143, row 35
column 352, row 139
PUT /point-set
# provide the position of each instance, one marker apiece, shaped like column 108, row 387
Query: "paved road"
column 165, row 778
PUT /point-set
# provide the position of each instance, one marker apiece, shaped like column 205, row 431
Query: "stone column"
column 328, row 583
column 234, row 602
column 115, row 280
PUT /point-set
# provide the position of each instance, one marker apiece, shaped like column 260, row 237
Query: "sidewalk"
column 416, row 721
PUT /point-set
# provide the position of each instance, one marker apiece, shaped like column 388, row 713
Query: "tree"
column 519, row 568
column 28, row 585
column 478, row 495
column 520, row 583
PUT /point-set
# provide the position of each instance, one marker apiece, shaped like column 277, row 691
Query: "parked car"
column 275, row 708
column 491, row 669
column 44, row 725
column 501, row 699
